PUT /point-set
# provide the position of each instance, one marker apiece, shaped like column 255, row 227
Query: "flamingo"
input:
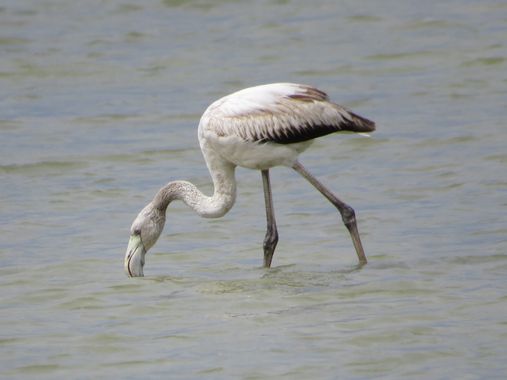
column 257, row 128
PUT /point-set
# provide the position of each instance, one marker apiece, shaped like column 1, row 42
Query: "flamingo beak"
column 134, row 257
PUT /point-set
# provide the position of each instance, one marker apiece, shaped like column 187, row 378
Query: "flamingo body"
column 270, row 125
column 256, row 128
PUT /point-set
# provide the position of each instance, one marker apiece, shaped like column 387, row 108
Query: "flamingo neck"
column 222, row 200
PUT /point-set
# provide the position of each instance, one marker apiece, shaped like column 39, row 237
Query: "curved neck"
column 223, row 198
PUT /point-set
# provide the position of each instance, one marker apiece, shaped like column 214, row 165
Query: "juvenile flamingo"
column 257, row 128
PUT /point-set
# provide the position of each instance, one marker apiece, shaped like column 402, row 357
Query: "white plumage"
column 288, row 114
column 257, row 128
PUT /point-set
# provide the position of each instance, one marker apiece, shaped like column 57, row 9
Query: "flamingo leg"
column 271, row 238
column 347, row 212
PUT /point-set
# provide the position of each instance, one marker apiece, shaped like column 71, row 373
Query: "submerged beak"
column 134, row 257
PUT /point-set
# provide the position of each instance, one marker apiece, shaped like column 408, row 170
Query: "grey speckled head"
column 144, row 233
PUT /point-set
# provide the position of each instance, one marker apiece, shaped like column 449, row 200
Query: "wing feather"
column 282, row 113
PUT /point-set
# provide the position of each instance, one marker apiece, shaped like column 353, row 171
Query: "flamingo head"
column 144, row 233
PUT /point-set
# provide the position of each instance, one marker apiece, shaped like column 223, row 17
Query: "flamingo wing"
column 282, row 113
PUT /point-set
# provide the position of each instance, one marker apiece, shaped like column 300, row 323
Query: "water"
column 99, row 104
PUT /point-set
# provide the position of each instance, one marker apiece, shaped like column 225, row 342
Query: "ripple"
column 54, row 168
column 486, row 61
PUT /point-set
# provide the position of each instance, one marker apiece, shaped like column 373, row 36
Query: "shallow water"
column 99, row 104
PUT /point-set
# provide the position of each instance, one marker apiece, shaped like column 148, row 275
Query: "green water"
column 99, row 105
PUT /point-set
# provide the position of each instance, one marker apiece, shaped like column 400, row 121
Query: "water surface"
column 99, row 105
